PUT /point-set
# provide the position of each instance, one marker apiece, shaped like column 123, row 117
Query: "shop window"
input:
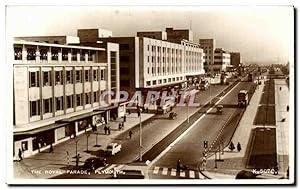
column 24, row 145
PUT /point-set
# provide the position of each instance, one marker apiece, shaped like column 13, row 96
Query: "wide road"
column 189, row 148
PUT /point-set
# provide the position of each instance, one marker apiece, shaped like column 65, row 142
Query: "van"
column 243, row 98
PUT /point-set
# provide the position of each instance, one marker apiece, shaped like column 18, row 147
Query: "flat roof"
column 57, row 45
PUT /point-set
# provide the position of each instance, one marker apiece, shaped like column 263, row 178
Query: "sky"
column 261, row 34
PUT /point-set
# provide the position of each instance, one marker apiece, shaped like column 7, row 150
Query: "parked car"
column 113, row 148
column 93, row 163
column 204, row 85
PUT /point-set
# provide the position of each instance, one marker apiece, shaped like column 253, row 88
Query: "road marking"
column 182, row 174
column 110, row 167
column 173, row 172
column 156, row 170
column 165, row 171
column 190, row 128
column 192, row 174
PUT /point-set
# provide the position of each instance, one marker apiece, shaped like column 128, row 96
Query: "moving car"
column 93, row 163
column 243, row 98
column 113, row 148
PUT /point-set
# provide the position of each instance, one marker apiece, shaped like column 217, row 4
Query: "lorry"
column 243, row 98
column 250, row 77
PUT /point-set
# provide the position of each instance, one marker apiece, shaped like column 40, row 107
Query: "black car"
column 93, row 163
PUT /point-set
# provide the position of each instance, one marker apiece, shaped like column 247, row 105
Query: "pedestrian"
column 120, row 126
column 108, row 130
column 287, row 108
column 77, row 159
column 128, row 112
column 178, row 166
column 239, row 148
column 51, row 148
column 279, row 88
column 124, row 118
column 68, row 158
column 20, row 154
column 130, row 134
column 105, row 129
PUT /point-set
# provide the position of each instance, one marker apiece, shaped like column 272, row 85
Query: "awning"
column 82, row 116
column 41, row 129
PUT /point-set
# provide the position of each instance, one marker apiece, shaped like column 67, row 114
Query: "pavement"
column 47, row 165
column 231, row 162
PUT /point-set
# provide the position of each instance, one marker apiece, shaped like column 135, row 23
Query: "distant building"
column 64, row 40
column 176, row 36
column 158, row 35
column 221, row 60
column 57, row 90
column 235, row 59
column 208, row 46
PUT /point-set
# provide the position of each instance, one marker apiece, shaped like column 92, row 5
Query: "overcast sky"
column 259, row 33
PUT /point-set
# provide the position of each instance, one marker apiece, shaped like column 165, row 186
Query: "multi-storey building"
column 235, row 59
column 176, row 36
column 152, row 62
column 222, row 60
column 159, row 35
column 208, row 46
column 58, row 91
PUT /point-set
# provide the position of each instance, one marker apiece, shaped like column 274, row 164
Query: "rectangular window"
column 91, row 55
column 78, row 99
column 95, row 75
column 44, row 54
column 96, row 96
column 74, row 55
column 82, row 55
column 154, row 82
column 87, row 75
column 18, row 53
column 65, row 53
column 148, row 83
column 31, row 54
column 69, row 77
column 59, row 103
column 58, row 77
column 102, row 74
column 47, row 105
column 47, row 78
column 70, row 101
column 148, row 70
column 35, row 108
column 113, row 57
column 88, row 98
column 54, row 54
column 78, row 76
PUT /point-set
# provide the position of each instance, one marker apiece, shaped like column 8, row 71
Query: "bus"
column 243, row 100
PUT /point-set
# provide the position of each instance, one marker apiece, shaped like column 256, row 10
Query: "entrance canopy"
column 41, row 129
column 82, row 116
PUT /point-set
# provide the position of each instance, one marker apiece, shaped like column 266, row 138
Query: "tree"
column 231, row 146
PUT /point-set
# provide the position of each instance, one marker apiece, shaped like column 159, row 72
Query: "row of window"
column 60, row 104
column 32, row 54
column 67, row 77
column 221, row 57
column 161, row 81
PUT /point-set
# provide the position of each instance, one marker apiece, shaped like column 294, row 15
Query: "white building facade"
column 221, row 60
column 57, row 91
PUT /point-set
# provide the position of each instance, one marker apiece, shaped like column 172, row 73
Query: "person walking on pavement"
column 124, row 118
column 120, row 126
column 77, row 159
column 20, row 154
column 108, row 130
column 105, row 129
column 68, row 158
column 178, row 167
column 287, row 108
column 239, row 148
column 51, row 148
column 130, row 134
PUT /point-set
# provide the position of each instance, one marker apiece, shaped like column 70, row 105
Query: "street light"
column 76, row 142
column 140, row 132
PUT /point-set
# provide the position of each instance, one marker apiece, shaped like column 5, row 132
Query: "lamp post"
column 140, row 132
column 76, row 142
